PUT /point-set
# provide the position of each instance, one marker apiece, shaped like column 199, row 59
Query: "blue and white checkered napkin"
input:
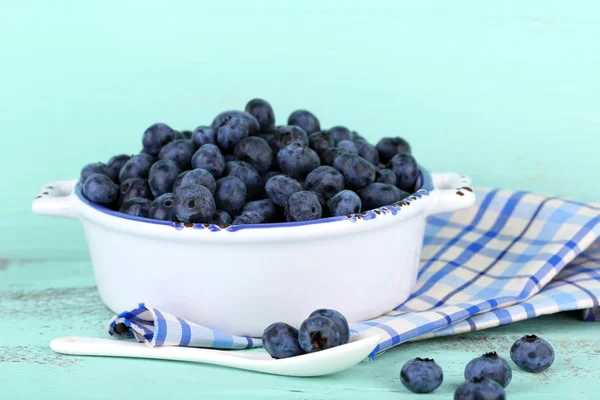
column 513, row 256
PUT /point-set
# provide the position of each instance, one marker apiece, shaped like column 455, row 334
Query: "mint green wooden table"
column 506, row 93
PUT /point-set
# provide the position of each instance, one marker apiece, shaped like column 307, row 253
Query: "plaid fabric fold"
column 515, row 255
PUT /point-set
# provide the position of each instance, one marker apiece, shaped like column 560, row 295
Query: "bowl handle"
column 452, row 192
column 54, row 200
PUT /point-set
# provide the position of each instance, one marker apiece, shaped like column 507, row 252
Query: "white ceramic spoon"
column 313, row 364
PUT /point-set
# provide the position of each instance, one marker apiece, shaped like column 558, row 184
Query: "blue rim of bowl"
column 425, row 185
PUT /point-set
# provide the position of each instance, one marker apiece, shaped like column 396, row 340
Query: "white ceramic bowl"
column 240, row 279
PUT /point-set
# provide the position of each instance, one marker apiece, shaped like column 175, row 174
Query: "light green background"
column 506, row 92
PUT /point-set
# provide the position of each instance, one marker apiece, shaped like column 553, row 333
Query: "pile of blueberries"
column 485, row 376
column 243, row 169
column 323, row 329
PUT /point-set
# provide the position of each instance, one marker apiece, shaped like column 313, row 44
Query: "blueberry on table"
column 532, row 353
column 348, row 145
column 280, row 187
column 329, row 155
column 162, row 208
column 378, row 195
column 344, row 203
column 384, row 175
column 230, row 195
column 281, row 341
column 100, row 189
column 265, row 207
column 320, row 141
column 156, row 136
column 249, row 175
column 490, row 366
column 209, row 157
column 263, row 112
column 318, row 333
column 357, row 171
column 326, row 181
column 137, row 207
column 339, row 320
column 116, row 163
column 203, row 135
column 286, row 135
column 297, row 161
column 231, row 132
column 388, row 147
column 480, row 388
column 303, row 206
column 421, row 375
column 135, row 187
column 194, row 203
column 305, row 120
column 221, row 119
column 406, row 170
column 220, row 218
column 249, row 217
column 162, row 176
column 339, row 133
column 256, row 152
column 199, row 176
column 180, row 151
column 367, row 151
column 137, row 166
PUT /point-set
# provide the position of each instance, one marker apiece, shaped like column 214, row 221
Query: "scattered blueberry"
column 339, row 133
column 155, row 137
column 265, row 207
column 344, row 203
column 137, row 166
column 297, row 161
column 100, row 189
column 194, row 203
column 305, row 120
column 97, row 168
column 231, row 132
column 203, row 135
column 209, row 157
column 220, row 218
column 532, row 353
column 480, row 388
column 367, row 151
column 421, row 375
column 286, row 135
column 230, row 195
column 281, row 341
column 340, row 321
column 134, row 187
column 263, row 112
column 280, row 187
column 388, row 147
column 490, row 366
column 303, row 206
column 116, row 163
column 325, row 180
column 348, row 145
column 178, row 182
column 384, row 175
column 199, row 176
column 406, row 170
column 320, row 141
column 318, row 333
column 162, row 207
column 137, row 207
column 256, row 152
column 249, row 175
column 378, row 195
column 162, row 176
column 221, row 119
column 329, row 155
column 249, row 217
column 180, row 151
column 357, row 171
